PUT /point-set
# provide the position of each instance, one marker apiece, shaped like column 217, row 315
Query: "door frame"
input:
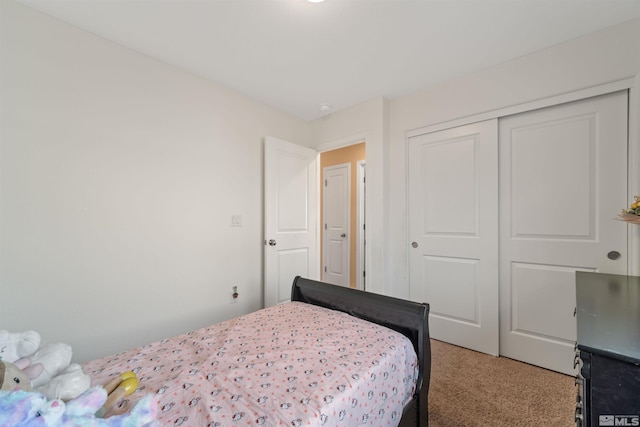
column 364, row 256
column 361, row 168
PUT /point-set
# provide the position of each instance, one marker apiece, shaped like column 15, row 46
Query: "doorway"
column 346, row 253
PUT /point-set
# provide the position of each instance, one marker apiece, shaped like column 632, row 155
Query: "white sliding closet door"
column 453, row 229
column 483, row 248
column 563, row 178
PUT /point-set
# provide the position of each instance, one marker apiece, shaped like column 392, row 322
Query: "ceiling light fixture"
column 324, row 107
column 315, row 1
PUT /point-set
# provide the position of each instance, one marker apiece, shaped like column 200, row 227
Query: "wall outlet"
column 234, row 295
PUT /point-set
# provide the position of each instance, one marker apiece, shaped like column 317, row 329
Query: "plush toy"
column 13, row 378
column 68, row 384
column 23, row 408
column 14, row 345
column 56, row 378
column 26, row 409
column 49, row 368
column 54, row 358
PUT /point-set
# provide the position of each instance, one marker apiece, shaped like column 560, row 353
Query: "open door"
column 290, row 215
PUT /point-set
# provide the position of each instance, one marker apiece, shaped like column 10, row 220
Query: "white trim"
column 360, row 224
column 615, row 86
column 318, row 216
column 346, row 141
column 633, row 249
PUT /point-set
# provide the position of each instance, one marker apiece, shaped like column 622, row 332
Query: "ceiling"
column 295, row 55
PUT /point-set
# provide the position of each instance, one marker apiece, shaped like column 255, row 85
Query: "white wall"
column 118, row 178
column 119, row 175
column 596, row 59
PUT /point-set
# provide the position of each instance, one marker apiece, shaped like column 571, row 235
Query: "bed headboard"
column 409, row 318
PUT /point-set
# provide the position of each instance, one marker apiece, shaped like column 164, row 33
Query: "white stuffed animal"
column 57, row 377
column 14, row 345
column 67, row 385
column 54, row 358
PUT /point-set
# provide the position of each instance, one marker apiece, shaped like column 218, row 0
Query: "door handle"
column 272, row 242
column 614, row 255
column 414, row 244
column 343, row 235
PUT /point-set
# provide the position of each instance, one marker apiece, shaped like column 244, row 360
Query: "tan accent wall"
column 351, row 154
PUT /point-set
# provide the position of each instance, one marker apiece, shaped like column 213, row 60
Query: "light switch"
column 236, row 220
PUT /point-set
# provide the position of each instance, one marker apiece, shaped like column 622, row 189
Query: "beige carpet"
column 471, row 389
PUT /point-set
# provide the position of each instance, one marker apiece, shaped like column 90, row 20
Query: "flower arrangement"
column 633, row 213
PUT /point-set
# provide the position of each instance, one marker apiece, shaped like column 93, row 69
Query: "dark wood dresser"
column 608, row 350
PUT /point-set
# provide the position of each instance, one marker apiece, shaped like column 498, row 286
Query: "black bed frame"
column 409, row 318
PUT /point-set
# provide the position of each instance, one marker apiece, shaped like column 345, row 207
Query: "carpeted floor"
column 470, row 389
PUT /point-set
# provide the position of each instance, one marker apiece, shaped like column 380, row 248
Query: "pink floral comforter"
column 293, row 364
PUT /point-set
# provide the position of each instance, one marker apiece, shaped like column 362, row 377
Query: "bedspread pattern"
column 293, row 364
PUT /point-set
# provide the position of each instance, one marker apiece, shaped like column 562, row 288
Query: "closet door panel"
column 563, row 178
column 552, row 179
column 453, row 226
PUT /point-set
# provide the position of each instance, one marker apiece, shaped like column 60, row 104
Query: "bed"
column 332, row 356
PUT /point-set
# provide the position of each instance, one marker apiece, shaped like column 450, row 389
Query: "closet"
column 503, row 212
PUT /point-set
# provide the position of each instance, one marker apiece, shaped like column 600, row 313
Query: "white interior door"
column 290, row 215
column 453, row 226
column 563, row 178
column 336, row 214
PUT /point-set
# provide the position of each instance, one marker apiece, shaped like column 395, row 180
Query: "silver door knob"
column 272, row 242
column 414, row 244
